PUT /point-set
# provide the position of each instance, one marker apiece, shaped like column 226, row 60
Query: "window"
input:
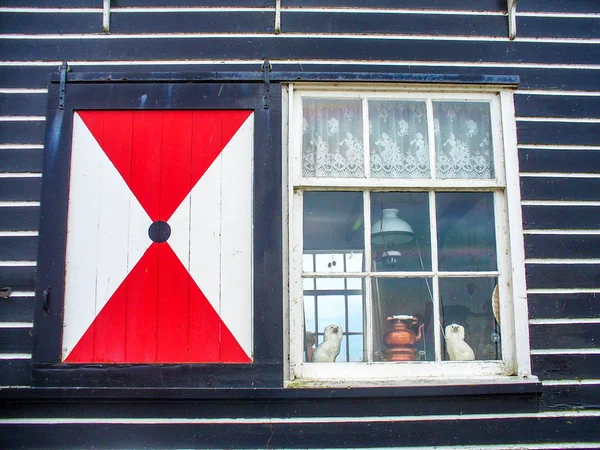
column 406, row 251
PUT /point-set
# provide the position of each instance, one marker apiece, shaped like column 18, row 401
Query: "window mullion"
column 368, row 339
column 437, row 316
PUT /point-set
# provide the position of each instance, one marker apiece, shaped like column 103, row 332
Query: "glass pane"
column 403, row 319
column 332, row 142
column 400, row 234
column 398, row 139
column 463, row 142
column 333, row 223
column 308, row 265
column 334, row 323
column 471, row 330
column 466, row 231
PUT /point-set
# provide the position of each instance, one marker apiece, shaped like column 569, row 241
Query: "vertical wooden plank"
column 235, row 308
column 205, row 238
column 142, row 290
column 113, row 226
column 82, row 238
column 173, row 299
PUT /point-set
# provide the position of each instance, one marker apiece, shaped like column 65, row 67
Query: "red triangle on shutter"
column 167, row 152
column 154, row 337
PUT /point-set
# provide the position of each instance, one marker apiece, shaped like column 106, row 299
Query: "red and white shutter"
column 138, row 178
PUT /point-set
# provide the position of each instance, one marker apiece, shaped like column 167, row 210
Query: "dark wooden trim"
column 278, row 76
column 267, row 368
column 511, row 387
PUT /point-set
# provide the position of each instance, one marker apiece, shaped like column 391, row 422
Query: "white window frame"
column 509, row 238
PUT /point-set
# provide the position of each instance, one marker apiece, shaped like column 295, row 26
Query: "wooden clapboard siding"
column 556, row 55
column 19, row 160
column 564, row 305
column 559, row 161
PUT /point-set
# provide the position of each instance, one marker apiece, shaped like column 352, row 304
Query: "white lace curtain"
column 398, row 135
column 463, row 142
column 332, row 138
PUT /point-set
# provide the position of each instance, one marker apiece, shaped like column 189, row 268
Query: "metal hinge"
column 512, row 19
column 64, row 68
column 266, row 68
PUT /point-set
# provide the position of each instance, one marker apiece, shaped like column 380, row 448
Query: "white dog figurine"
column 457, row 348
column 328, row 350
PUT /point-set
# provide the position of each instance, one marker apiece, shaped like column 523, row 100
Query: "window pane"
column 400, row 235
column 403, row 319
column 398, row 139
column 332, row 142
column 463, row 142
column 333, row 221
column 334, row 317
column 470, row 327
column 466, row 231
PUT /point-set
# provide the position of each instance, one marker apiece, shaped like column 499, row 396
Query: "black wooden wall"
column 556, row 55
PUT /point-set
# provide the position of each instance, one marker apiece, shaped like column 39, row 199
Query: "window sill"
column 436, row 385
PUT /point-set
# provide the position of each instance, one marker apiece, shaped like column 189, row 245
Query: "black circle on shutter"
column 159, row 231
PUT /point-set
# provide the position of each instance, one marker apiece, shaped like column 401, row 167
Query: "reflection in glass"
column 403, row 319
column 398, row 137
column 333, row 223
column 340, row 308
column 332, row 142
column 471, row 330
column 466, row 231
column 463, row 141
column 394, row 246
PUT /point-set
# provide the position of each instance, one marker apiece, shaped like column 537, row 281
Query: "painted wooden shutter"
column 159, row 251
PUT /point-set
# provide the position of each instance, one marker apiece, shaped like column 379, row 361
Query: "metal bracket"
column 277, row 16
column 46, row 300
column 106, row 16
column 64, row 68
column 266, row 68
column 512, row 19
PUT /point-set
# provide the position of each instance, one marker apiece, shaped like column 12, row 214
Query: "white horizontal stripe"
column 559, row 93
column 570, row 382
column 14, row 387
column 567, row 351
column 22, row 91
column 558, row 119
column 19, row 204
column 558, row 203
column 20, row 175
column 562, row 261
column 564, row 291
column 190, row 9
column 561, row 147
column 15, row 355
column 333, row 62
column 22, row 294
column 18, row 233
column 51, row 10
column 565, row 15
column 354, row 36
column 18, row 263
column 558, row 175
column 564, row 321
column 21, row 147
column 393, row 11
column 21, row 118
column 16, row 325
column 294, row 420
column 563, row 232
